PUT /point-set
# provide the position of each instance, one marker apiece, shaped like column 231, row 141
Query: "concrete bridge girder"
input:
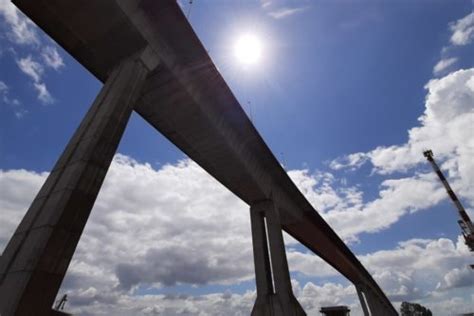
column 213, row 113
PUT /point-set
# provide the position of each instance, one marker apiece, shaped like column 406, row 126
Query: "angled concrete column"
column 362, row 300
column 368, row 299
column 382, row 309
column 36, row 258
column 375, row 306
column 388, row 309
column 274, row 293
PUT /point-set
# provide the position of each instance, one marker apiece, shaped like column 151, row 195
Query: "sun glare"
column 248, row 49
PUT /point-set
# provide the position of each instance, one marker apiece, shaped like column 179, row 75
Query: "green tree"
column 414, row 309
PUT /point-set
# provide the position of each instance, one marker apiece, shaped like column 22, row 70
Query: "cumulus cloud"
column 452, row 306
column 155, row 228
column 175, row 233
column 92, row 302
column 418, row 265
column 443, row 64
column 463, row 30
column 342, row 206
column 456, row 278
column 409, row 272
column 164, row 219
column 18, row 190
column 445, row 126
column 21, row 29
column 310, row 295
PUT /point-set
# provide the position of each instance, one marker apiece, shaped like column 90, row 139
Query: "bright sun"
column 248, row 49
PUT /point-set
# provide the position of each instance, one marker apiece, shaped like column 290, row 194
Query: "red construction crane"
column 465, row 222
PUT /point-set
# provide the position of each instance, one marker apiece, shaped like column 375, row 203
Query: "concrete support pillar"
column 382, row 309
column 373, row 305
column 362, row 300
column 376, row 307
column 274, row 293
column 263, row 273
column 36, row 258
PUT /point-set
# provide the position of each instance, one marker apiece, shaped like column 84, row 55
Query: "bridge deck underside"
column 188, row 101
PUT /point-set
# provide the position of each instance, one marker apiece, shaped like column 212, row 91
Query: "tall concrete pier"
column 274, row 292
column 36, row 258
column 151, row 61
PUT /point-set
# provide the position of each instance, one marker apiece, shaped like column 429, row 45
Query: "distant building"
column 335, row 311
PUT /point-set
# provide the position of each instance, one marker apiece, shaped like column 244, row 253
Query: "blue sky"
column 346, row 94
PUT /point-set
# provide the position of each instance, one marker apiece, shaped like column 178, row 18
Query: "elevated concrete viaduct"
column 151, row 61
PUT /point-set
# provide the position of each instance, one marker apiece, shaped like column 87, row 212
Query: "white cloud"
column 22, row 30
column 309, row 264
column 418, row 263
column 342, row 206
column 311, row 296
column 18, row 190
column 277, row 9
column 178, row 235
column 52, row 58
column 13, row 103
column 452, row 306
column 410, row 272
column 457, row 277
column 446, row 126
column 43, row 94
column 397, row 197
column 443, row 64
column 463, row 30
column 92, row 302
column 139, row 206
column 352, row 161
column 31, row 68
column 285, row 12
column 35, row 71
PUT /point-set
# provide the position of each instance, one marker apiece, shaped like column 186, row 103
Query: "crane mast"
column 465, row 222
